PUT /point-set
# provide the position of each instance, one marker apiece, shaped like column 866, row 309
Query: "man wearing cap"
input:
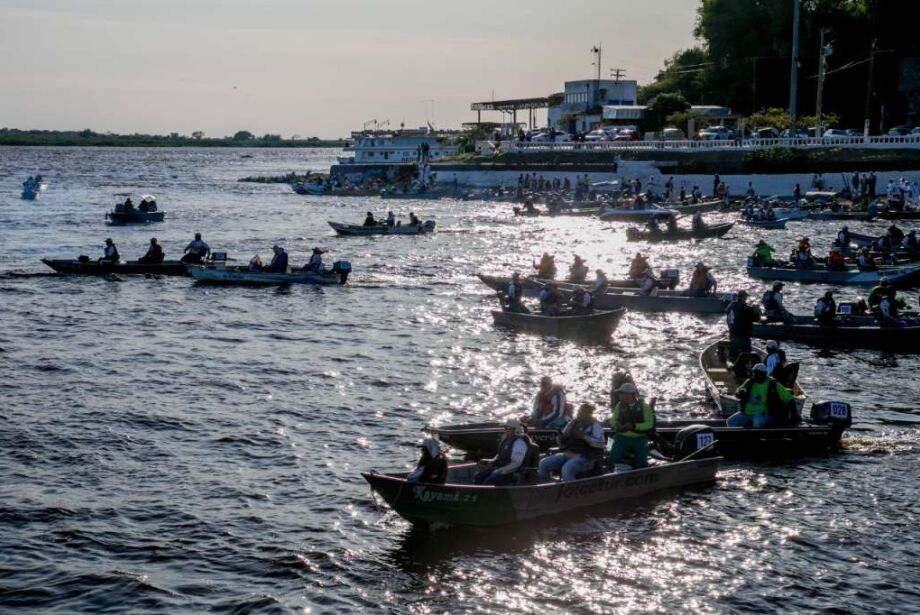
column 432, row 466
column 763, row 254
column 279, row 262
column 581, row 446
column 775, row 359
column 154, row 255
column 514, row 294
column 315, row 263
column 773, row 304
column 632, row 421
column 702, row 282
column 196, row 251
column 109, row 253
column 741, row 318
column 759, row 397
column 826, row 310
column 512, row 451
column 549, row 408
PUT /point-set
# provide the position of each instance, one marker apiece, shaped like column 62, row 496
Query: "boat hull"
column 901, row 339
column 716, row 230
column 140, row 217
column 629, row 298
column 382, row 229
column 900, row 277
column 597, row 327
column 489, row 506
column 75, row 267
column 635, row 215
column 230, row 275
column 765, row 224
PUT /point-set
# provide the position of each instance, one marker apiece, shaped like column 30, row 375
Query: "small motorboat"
column 779, row 223
column 846, row 332
column 594, row 327
column 715, row 230
column 127, row 213
column 222, row 274
column 32, row 188
column 85, row 266
column 898, row 276
column 383, row 229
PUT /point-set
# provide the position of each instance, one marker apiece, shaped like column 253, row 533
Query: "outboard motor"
column 343, row 268
column 837, row 414
column 671, row 277
column 692, row 439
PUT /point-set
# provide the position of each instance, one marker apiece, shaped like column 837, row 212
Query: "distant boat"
column 33, row 187
column 145, row 211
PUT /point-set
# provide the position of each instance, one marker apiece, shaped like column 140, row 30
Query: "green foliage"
column 466, row 142
column 779, row 119
column 662, row 107
column 12, row 136
column 243, row 135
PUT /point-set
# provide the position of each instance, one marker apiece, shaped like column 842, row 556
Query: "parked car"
column 765, row 133
column 836, row 132
column 673, row 134
column 915, row 131
column 544, row 136
column 899, row 131
column 798, row 134
column 715, row 133
column 628, row 134
column 597, row 135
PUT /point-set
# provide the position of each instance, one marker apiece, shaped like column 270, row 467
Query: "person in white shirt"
column 582, row 445
column 776, row 359
column 196, row 251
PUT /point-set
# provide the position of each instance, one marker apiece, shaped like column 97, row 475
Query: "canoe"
column 899, row 215
column 853, row 216
column 241, row 275
column 74, row 266
column 849, row 333
column 565, row 211
column 137, row 217
column 715, row 230
column 721, row 381
column 701, row 207
column 597, row 326
column 615, row 214
column 460, row 503
column 816, row 436
column 779, row 223
column 791, row 214
column 629, row 298
column 898, row 276
column 382, row 229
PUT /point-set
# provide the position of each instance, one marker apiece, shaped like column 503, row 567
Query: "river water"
column 168, row 447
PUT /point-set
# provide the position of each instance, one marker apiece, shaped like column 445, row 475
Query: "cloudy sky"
column 309, row 67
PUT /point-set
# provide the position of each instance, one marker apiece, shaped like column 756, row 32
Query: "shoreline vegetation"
column 88, row 138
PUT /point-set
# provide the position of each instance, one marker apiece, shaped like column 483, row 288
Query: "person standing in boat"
column 546, row 268
column 514, row 294
column 279, row 262
column 154, row 255
column 505, row 467
column 581, row 444
column 432, row 466
column 740, row 318
column 843, row 238
column 196, row 251
column 600, row 282
column 826, row 310
column 578, row 272
column 548, row 410
column 702, row 282
column 632, row 421
column 110, row 254
column 760, row 398
column 775, row 359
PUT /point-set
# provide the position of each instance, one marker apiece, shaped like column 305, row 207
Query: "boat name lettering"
column 423, row 494
column 612, row 483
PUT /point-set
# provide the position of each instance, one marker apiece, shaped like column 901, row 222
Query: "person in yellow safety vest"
column 759, row 397
column 632, row 422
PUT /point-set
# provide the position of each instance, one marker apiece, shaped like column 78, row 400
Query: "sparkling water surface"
column 170, row 447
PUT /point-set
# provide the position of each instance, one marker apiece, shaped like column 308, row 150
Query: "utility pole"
column 867, row 123
column 617, row 73
column 826, row 50
column 794, row 72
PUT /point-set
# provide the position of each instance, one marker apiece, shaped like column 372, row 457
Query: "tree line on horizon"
column 87, row 137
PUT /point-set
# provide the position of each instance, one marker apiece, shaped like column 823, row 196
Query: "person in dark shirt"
column 432, row 466
column 154, row 254
column 741, row 318
column 279, row 261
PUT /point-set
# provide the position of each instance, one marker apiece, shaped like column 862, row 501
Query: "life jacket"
column 635, row 414
column 769, row 300
column 776, row 408
column 836, row 259
column 545, row 401
column 505, row 448
column 579, row 446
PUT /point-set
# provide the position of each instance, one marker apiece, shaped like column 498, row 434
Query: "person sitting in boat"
column 887, row 311
column 696, row 194
column 835, row 260
column 702, row 282
column 802, row 259
column 740, row 318
column 638, row 267
column 144, row 207
column 582, row 302
column 600, row 282
column 768, row 212
column 514, row 294
column 760, row 397
column 549, row 408
column 578, row 272
column 279, row 263
column 895, row 234
column 581, row 447
column 697, row 223
column 369, row 220
column 775, row 359
column 432, row 466
column 683, row 195
column 909, row 242
column 751, row 193
column 528, row 206
column 632, row 421
column 843, row 238
column 648, row 285
column 513, row 451
column 196, row 251
column 128, row 205
column 804, row 244
column 876, row 294
column 550, row 301
column 546, row 268
column 154, row 255
column 255, row 263
column 671, row 225
column 315, row 264
column 391, row 219
column 109, row 253
column 773, row 305
column 763, row 254
column 865, row 261
column 826, row 310
column 413, row 219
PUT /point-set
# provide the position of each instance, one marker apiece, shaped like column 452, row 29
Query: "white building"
column 403, row 146
column 584, row 100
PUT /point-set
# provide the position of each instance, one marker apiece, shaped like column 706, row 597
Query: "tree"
column 198, row 135
column 466, row 141
column 663, row 106
column 243, row 135
column 270, row 137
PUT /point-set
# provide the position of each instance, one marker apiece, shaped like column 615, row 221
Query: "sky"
column 310, row 67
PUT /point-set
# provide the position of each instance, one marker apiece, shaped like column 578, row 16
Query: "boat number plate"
column 846, row 309
column 839, row 410
column 704, row 439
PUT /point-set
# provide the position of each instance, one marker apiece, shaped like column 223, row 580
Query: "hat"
column 777, row 285
column 276, row 248
column 108, row 240
column 317, row 251
column 760, row 367
column 628, row 387
column 700, row 265
column 761, row 243
column 516, row 426
column 772, row 345
column 431, row 445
